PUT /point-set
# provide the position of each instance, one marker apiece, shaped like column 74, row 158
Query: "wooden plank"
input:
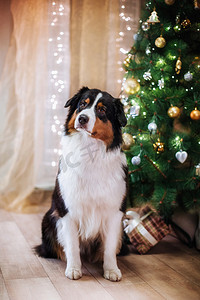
column 162, row 278
column 31, row 289
column 3, row 290
column 136, row 291
column 17, row 260
column 5, row 216
column 30, row 226
column 179, row 260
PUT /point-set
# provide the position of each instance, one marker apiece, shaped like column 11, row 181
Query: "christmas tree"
column 161, row 96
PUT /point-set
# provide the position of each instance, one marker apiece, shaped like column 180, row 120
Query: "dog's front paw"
column 113, row 275
column 73, row 273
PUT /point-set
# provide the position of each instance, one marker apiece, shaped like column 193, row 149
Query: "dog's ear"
column 119, row 109
column 74, row 100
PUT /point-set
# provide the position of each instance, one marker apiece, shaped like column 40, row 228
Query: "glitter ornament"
column 136, row 160
column 128, row 141
column 159, row 147
column 131, row 86
column 152, row 127
column 127, row 60
column 188, row 76
column 186, row 23
column 181, row 156
column 161, row 83
column 147, row 75
column 160, row 42
column 195, row 114
column 178, row 65
column 173, row 112
column 169, row 2
column 153, row 18
column 145, row 26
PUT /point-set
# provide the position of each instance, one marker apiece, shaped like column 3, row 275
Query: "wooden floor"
column 169, row 271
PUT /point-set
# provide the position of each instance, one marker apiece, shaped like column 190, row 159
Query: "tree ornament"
column 134, row 110
column 153, row 18
column 159, row 147
column 195, row 114
column 147, row 75
column 128, row 141
column 181, row 156
column 127, row 60
column 145, row 26
column 137, row 37
column 188, row 76
column 178, row 65
column 186, row 23
column 161, row 83
column 136, row 160
column 131, row 86
column 173, row 112
column 160, row 42
column 169, row 2
column 148, row 50
column 152, row 127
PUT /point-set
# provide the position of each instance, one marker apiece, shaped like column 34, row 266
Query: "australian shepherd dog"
column 88, row 201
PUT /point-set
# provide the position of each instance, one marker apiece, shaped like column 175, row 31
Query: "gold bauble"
column 173, row 112
column 131, row 86
column 169, row 2
column 178, row 65
column 160, row 42
column 159, row 147
column 128, row 141
column 195, row 114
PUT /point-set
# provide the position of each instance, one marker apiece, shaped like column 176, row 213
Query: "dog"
column 88, row 202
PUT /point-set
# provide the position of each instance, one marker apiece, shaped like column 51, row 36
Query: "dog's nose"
column 83, row 119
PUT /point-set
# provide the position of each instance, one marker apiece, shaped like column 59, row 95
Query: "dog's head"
column 96, row 113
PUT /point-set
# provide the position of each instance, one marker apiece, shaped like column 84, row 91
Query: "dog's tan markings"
column 70, row 125
column 60, row 252
column 103, row 131
column 87, row 100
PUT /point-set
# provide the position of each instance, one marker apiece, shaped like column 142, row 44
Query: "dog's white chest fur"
column 91, row 182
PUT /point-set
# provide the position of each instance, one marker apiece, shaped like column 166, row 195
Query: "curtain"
column 47, row 39
column 94, row 56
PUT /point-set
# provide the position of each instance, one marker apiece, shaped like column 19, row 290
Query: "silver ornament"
column 161, row 83
column 147, row 75
column 135, row 109
column 148, row 50
column 137, row 37
column 136, row 160
column 145, row 26
column 152, row 127
column 188, row 76
column 181, row 156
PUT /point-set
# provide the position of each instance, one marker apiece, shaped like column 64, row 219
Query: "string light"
column 129, row 16
column 58, row 45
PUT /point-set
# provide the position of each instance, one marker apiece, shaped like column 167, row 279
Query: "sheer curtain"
column 35, row 84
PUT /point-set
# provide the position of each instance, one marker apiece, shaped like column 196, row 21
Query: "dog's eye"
column 101, row 110
column 83, row 104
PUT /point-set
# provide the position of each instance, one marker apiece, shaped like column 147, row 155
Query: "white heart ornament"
column 181, row 156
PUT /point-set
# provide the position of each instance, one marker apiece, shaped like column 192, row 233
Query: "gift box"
column 144, row 230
